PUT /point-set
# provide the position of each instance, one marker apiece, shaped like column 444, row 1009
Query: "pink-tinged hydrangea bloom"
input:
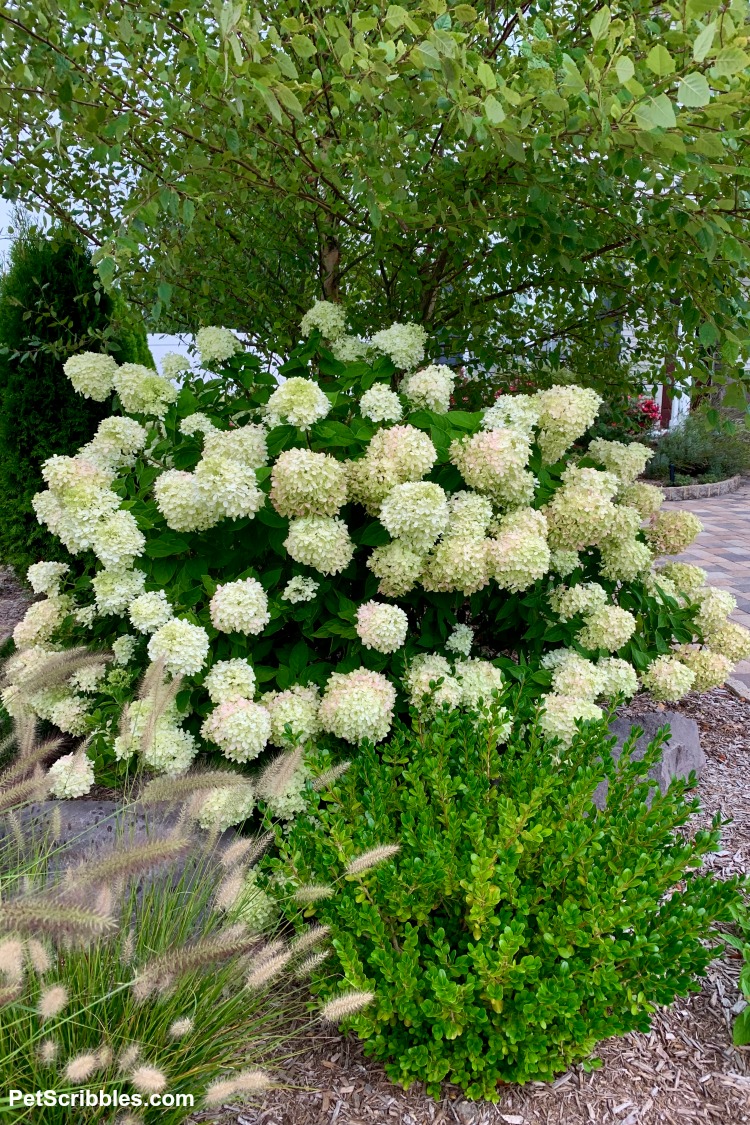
column 382, row 626
column 240, row 607
column 494, row 461
column 668, row 679
column 304, row 483
column 240, row 728
column 358, row 706
column 671, row 533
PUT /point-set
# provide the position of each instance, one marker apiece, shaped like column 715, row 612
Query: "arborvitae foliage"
column 51, row 306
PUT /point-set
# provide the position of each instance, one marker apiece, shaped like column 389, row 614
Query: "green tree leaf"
column 600, row 23
column 660, row 61
column 730, row 60
column 693, row 90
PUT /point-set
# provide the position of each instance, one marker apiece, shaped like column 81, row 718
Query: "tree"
column 520, row 180
column 52, row 306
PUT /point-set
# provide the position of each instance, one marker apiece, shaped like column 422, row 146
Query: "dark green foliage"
column 51, row 306
column 700, row 452
column 518, row 926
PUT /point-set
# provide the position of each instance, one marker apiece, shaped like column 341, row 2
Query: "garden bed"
column 701, row 491
column 685, row 1072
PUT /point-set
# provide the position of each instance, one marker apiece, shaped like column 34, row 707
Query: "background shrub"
column 518, row 925
column 51, row 306
column 699, row 451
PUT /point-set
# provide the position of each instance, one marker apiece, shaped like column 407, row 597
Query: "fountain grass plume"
column 175, row 790
column 161, row 972
column 33, row 788
column 311, row 963
column 60, row 917
column 274, row 780
column 371, row 858
column 308, row 938
column 56, row 668
column 127, row 863
column 27, row 761
column 330, row 776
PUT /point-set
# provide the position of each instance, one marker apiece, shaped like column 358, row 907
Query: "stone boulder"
column 681, row 754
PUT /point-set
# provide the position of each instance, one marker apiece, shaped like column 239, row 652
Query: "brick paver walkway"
column 723, row 550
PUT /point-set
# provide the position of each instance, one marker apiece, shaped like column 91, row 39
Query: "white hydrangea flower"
column 626, row 461
column 184, row 647
column 169, row 749
column 460, row 640
column 299, row 402
column 143, row 391
column 116, row 440
column 240, row 607
column 567, row 601
column 564, row 563
column 709, row 668
column 715, row 605
column 92, row 374
column 173, row 365
column 294, row 710
column 478, row 680
column 425, row 670
column 517, row 556
column 668, row 679
column 397, row 566
column 233, row 487
column 185, row 504
column 230, row 680
column 45, row 577
column 577, row 476
column 404, row 343
column 117, row 539
column 350, row 349
column 458, row 562
column 115, row 588
column 512, row 412
column 71, row 776
column 149, row 612
column 494, row 461
column 88, row 678
column 430, row 388
column 215, row 345
column 226, row 806
column 731, row 640
column 416, row 512
column 561, row 712
column 470, row 514
column 358, row 706
column 645, row 498
column 382, row 626
column 85, row 615
column 381, row 404
column 624, row 560
column 564, row 414
column 687, row 578
column 196, row 423
column 288, row 802
column 618, row 678
column 69, row 715
column 247, row 445
column 608, row 627
column 321, row 542
column 300, row 589
column 671, row 533
column 123, row 649
column 394, row 456
column 575, row 677
column 579, row 516
column 304, row 483
column 327, row 317
column 240, row 728
column 40, row 621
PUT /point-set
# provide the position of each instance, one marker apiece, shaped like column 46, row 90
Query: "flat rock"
column 681, row 754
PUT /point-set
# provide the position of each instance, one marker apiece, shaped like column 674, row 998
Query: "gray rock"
column 681, row 754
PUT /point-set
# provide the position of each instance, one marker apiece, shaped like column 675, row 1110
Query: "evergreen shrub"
column 51, row 307
column 518, row 924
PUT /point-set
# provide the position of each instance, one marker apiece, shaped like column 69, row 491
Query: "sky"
column 159, row 343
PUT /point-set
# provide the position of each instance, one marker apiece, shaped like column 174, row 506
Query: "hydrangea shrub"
column 314, row 550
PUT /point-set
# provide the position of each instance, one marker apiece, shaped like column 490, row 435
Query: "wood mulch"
column 684, row 1072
